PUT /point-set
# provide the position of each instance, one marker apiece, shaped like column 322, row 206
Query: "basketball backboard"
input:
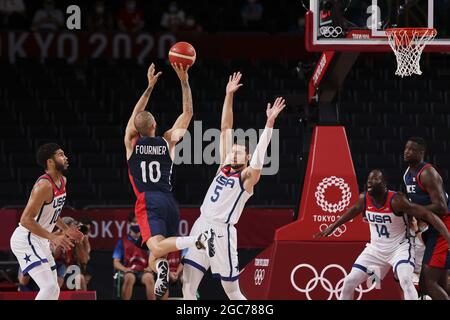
column 359, row 25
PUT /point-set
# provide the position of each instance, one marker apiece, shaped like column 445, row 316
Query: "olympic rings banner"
column 311, row 271
column 330, row 188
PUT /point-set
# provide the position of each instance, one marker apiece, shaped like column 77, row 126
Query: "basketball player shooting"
column 30, row 242
column 224, row 201
column 391, row 243
column 150, row 160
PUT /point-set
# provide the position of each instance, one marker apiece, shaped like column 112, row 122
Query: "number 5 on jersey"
column 154, row 171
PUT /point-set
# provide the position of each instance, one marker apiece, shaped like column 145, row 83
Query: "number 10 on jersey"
column 154, row 171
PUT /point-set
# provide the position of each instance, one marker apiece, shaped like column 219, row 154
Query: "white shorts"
column 30, row 250
column 373, row 259
column 225, row 263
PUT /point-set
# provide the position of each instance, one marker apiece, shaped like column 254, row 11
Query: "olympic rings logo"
column 330, row 32
column 345, row 197
column 259, row 276
column 339, row 231
column 334, row 291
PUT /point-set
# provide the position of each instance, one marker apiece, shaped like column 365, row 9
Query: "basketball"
column 183, row 53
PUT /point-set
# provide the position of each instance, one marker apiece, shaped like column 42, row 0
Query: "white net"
column 408, row 45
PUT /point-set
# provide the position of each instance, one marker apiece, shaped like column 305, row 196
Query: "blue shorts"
column 157, row 214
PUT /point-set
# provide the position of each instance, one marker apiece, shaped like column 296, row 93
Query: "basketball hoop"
column 408, row 45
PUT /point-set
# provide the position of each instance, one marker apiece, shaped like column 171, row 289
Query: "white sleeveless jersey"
column 226, row 197
column 387, row 230
column 49, row 213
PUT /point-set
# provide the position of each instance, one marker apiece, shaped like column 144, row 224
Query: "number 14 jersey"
column 387, row 229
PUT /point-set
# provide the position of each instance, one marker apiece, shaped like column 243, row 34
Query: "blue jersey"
column 415, row 190
column 150, row 165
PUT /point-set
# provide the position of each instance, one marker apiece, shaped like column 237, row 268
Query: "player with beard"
column 424, row 186
column 30, row 241
column 224, row 201
column 391, row 242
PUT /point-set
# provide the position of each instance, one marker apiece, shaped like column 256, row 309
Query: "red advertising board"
column 330, row 188
column 301, row 270
column 255, row 228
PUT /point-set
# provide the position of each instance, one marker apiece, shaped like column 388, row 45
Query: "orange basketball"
column 182, row 52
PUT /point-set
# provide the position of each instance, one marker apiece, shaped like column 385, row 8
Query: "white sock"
column 185, row 242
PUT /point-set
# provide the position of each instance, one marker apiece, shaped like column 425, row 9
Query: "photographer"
column 78, row 255
column 83, row 249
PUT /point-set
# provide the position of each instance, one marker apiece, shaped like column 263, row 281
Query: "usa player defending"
column 150, row 160
column 223, row 204
column 391, row 243
column 30, row 242
column 424, row 186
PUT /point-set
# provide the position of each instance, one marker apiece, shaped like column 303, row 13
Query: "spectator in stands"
column 48, row 18
column 100, row 20
column 12, row 14
column 174, row 18
column 191, row 25
column 132, row 262
column 299, row 26
column 252, row 14
column 176, row 272
column 130, row 19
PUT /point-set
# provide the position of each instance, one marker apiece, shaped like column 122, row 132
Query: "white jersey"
column 30, row 250
column 387, row 230
column 226, row 197
column 49, row 213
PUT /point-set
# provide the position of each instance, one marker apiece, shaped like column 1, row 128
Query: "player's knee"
column 405, row 281
column 156, row 250
column 352, row 280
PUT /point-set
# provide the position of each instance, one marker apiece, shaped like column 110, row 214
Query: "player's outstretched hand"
column 182, row 72
column 61, row 239
column 151, row 76
column 233, row 82
column 74, row 234
column 273, row 111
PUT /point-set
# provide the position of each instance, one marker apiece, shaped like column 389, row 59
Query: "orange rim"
column 410, row 32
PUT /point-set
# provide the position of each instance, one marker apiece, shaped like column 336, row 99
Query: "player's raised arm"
column 432, row 182
column 130, row 131
column 41, row 194
column 226, row 125
column 401, row 204
column 179, row 128
column 350, row 214
column 252, row 173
